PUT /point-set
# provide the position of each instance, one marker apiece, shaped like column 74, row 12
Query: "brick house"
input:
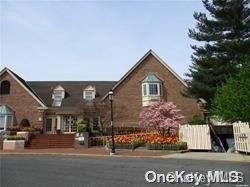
column 58, row 105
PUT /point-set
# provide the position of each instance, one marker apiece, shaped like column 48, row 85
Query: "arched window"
column 5, row 88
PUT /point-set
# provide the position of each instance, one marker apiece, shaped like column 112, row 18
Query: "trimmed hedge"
column 97, row 141
column 170, row 147
column 125, row 145
column 15, row 138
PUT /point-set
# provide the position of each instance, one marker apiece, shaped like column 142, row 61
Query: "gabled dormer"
column 89, row 93
column 58, row 95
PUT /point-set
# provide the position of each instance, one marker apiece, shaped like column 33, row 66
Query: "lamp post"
column 111, row 93
column 202, row 104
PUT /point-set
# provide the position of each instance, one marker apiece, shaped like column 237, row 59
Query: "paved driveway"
column 41, row 170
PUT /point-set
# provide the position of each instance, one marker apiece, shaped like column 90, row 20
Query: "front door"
column 48, row 125
column 70, row 124
column 51, row 125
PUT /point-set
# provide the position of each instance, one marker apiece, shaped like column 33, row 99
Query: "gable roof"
column 161, row 61
column 73, row 90
column 24, row 84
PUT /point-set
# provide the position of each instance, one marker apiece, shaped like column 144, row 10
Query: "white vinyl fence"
column 197, row 136
column 242, row 136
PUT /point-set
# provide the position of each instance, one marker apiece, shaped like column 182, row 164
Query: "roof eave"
column 34, row 96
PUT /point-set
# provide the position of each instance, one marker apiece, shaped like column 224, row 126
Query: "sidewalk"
column 92, row 151
column 101, row 151
column 211, row 156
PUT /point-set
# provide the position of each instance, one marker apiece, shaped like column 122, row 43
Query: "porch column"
column 59, row 122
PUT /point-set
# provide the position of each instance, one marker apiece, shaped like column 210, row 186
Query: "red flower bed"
column 142, row 138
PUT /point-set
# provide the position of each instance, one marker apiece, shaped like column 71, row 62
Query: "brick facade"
column 129, row 93
column 21, row 102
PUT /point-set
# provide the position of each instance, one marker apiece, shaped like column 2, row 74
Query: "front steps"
column 47, row 141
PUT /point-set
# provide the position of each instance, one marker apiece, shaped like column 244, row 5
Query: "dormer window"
column 151, row 89
column 58, row 95
column 89, row 93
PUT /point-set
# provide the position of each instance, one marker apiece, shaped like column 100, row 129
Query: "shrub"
column 25, row 123
column 15, row 138
column 12, row 133
column 31, row 128
column 170, row 147
column 14, row 128
column 81, row 127
column 96, row 133
column 197, row 121
column 97, row 141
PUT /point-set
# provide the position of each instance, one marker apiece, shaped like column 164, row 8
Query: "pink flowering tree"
column 162, row 116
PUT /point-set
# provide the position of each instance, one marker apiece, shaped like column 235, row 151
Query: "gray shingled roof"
column 73, row 90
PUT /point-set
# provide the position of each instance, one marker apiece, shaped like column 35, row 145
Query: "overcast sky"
column 93, row 40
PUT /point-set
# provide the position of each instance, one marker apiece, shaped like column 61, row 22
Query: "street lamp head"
column 111, row 93
column 202, row 102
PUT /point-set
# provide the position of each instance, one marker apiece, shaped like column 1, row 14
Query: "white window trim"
column 148, row 92
column 158, row 89
column 62, row 94
column 58, row 91
column 144, row 84
column 93, row 94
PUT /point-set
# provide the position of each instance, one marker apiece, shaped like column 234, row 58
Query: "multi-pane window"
column 6, row 117
column 48, row 125
column 70, row 124
column 153, row 89
column 88, row 94
column 57, row 97
column 2, row 122
column 144, row 89
column 5, row 121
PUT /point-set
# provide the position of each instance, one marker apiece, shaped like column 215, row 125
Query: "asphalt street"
column 41, row 170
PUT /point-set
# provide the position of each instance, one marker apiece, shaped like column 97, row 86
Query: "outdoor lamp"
column 202, row 104
column 111, row 121
column 111, row 93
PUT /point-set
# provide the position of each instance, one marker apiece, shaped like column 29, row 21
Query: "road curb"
column 243, row 160
column 89, row 155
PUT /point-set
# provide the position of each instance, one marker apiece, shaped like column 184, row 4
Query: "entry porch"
column 57, row 124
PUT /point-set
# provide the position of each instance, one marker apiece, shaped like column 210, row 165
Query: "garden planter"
column 13, row 144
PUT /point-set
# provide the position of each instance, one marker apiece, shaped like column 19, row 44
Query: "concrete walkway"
column 101, row 151
column 92, row 151
column 211, row 156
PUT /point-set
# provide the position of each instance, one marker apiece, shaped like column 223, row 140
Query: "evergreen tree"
column 225, row 38
column 232, row 99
